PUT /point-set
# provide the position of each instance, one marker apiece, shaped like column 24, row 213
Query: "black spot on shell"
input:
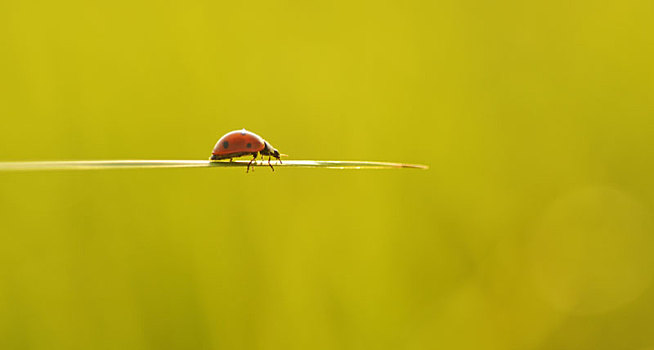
column 225, row 144
column 249, row 145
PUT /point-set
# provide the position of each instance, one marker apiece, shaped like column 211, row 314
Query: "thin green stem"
column 122, row 164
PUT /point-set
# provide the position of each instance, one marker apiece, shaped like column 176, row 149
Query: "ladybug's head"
column 269, row 150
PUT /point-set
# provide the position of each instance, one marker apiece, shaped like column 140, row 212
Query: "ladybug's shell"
column 238, row 143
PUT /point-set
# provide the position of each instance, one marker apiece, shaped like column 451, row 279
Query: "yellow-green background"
column 532, row 229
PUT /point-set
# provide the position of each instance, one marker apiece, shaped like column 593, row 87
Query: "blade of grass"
column 142, row 164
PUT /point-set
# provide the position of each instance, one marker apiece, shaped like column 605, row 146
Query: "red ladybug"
column 241, row 143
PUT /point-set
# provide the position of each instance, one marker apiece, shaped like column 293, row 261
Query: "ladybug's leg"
column 271, row 167
column 248, row 169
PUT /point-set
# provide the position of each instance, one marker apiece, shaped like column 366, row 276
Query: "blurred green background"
column 532, row 229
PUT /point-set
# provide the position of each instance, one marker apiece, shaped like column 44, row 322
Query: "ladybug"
column 241, row 143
